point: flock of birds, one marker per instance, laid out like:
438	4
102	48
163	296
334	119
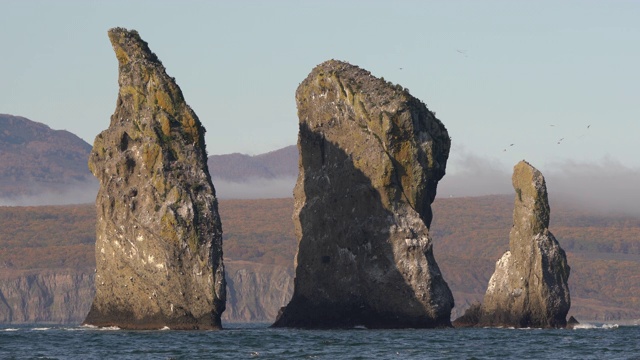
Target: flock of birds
464	53
559	140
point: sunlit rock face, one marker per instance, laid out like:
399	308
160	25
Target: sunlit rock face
371	156
529	286
158	232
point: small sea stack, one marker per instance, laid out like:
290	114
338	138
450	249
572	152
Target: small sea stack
158	232
529	286
371	156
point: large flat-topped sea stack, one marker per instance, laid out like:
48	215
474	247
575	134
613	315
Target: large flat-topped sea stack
371	156
158	232
529	286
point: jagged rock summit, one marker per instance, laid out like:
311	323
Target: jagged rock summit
158	232
371	156
529	286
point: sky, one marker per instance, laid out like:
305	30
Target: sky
554	82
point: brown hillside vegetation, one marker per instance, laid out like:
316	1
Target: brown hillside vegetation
47	237
470	234
259	231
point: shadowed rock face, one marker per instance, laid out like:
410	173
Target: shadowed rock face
529	286
158	232
371	156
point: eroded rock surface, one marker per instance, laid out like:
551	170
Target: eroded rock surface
529	286
158	232
371	156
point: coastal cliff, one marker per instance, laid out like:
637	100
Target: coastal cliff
64	296
43	245
49	296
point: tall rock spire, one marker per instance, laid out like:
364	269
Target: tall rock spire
158	232
371	156
529	287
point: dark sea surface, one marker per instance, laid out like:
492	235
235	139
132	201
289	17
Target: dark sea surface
257	341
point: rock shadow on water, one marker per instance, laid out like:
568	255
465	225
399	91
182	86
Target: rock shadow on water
346	271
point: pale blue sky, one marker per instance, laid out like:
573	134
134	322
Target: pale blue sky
495	72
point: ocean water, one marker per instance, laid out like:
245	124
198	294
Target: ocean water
257	341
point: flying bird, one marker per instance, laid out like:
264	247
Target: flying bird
463	52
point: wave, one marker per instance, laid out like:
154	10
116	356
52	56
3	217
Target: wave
595	326
109	328
41	329
103	328
165	328
10	329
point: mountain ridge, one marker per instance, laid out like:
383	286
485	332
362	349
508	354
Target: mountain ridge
37	158
44	166
239	167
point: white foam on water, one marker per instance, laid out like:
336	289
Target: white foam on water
93	327
587	326
109	328
165	328
11	329
41	329
79	328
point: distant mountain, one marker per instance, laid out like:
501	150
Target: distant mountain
36	159
236	167
270	175
42	166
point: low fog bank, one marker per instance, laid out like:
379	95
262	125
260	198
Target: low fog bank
475	176
605	186
77	193
255	188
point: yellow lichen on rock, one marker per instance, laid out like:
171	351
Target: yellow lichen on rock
364	254
165	123
164	101
156	206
